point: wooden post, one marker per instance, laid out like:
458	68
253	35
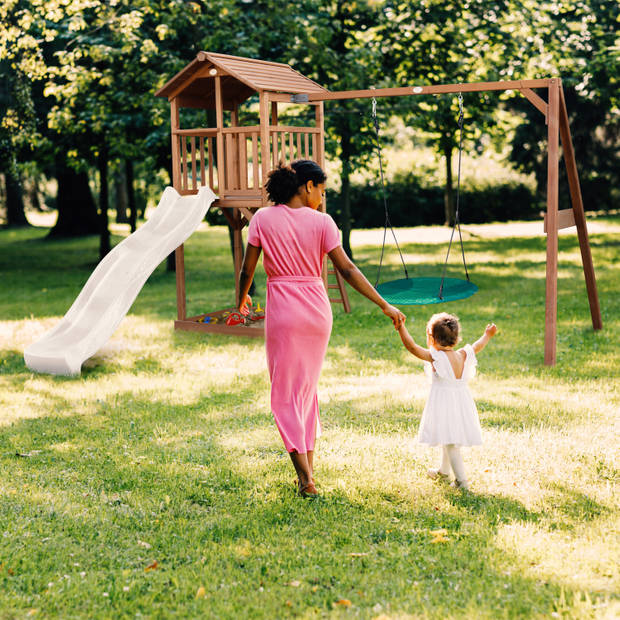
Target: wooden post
274	113
236	173
179	263
237	253
264	138
579	214
551	303
176	155
219	116
179	259
319	157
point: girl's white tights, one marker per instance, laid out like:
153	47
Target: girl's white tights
451	457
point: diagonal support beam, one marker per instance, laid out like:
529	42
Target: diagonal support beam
579	214
536	101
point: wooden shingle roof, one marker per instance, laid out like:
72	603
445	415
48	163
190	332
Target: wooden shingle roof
241	78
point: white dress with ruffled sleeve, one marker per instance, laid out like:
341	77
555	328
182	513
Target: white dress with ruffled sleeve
450	415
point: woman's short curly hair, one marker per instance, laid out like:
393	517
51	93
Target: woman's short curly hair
284	181
444	328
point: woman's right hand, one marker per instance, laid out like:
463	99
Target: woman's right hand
398	318
243	306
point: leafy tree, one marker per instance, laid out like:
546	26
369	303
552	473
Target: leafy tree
341	53
443	42
579	42
17	123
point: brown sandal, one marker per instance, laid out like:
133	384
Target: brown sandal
308	490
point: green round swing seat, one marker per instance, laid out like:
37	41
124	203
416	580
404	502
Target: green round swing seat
422	291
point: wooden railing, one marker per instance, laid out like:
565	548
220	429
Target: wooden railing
289	143
242	154
197	149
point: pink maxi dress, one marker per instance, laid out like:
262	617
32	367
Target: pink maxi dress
298	315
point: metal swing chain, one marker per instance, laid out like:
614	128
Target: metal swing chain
385	208
457	223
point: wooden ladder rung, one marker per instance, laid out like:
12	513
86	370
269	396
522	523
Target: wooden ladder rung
333	286
336	301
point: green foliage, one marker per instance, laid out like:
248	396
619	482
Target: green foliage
411	202
75	72
578	41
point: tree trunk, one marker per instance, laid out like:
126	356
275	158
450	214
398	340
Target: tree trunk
448	198
345	194
104	232
121	198
32	193
15	214
131	194
77	211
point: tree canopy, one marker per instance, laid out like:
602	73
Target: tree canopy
78	78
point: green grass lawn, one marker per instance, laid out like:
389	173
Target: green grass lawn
156	485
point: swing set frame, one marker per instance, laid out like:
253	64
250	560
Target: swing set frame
558	132
235	160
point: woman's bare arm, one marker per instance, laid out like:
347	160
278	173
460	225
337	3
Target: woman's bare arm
252	254
358	281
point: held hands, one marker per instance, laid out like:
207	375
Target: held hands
490	330
398	318
243	306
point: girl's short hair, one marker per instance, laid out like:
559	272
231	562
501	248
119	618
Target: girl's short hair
444	328
284	181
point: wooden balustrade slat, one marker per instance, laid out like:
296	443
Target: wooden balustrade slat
230	180
255	168
183	162
274	149
201	147
243	162
210	156
193	156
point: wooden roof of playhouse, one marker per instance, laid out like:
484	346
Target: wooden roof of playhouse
241	78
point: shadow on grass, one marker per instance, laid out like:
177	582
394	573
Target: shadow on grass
143	481
567	508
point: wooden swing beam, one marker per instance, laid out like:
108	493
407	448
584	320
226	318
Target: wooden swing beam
558	131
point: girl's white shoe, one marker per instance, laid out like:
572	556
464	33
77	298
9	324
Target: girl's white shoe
435	474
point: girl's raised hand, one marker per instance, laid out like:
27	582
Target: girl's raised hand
398	318
243	306
491	330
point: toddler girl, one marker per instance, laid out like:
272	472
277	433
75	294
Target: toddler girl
450	418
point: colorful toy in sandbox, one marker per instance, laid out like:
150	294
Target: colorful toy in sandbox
229	321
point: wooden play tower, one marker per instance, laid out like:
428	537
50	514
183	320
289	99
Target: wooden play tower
234	160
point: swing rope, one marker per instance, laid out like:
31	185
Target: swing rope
457	223
375	123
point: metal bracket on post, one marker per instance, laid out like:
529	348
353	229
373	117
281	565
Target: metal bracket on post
300	98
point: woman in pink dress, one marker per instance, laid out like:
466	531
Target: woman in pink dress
295	236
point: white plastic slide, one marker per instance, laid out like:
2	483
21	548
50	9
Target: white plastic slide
115	283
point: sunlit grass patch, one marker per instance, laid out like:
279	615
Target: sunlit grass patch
159	471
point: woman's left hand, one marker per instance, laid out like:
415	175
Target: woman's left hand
243	306
398	318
